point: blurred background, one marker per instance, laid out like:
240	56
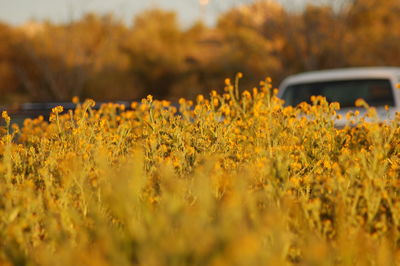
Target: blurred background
107	50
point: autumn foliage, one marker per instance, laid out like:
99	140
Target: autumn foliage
103	58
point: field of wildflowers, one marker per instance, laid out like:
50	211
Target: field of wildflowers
231	179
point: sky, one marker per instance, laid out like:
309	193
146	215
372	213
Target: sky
17	12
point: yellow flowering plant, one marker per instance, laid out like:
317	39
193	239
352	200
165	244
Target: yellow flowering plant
233	179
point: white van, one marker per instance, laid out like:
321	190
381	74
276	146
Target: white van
376	85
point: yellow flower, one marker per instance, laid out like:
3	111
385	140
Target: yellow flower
335	105
361	103
246	94
134	105
6	117
165	103
255	92
57	109
215	102
90	103
327	164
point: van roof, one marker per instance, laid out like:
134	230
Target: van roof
342	73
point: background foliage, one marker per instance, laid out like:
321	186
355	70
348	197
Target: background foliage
103	58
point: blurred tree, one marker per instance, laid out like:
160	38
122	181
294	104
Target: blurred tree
251	41
157	50
98	56
59	62
8	83
374	38
315	39
109	77
199	76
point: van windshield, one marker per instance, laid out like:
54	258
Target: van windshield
376	92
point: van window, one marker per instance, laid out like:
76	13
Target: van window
376	92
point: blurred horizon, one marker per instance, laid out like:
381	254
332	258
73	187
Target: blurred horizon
100	56
20	12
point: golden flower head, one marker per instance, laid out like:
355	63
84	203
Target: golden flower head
165	103
6	117
75	100
246	94
361	103
134	105
90	103
215	102
181	101
57	109
200	98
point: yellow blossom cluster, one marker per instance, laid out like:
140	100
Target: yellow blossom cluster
230	179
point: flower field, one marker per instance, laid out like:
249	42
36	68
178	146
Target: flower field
230	179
